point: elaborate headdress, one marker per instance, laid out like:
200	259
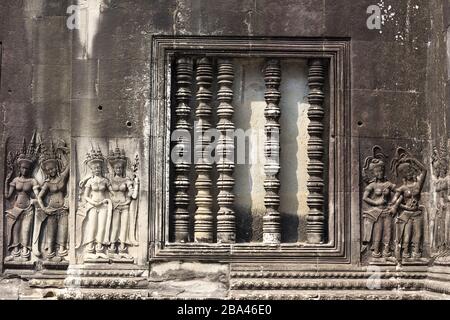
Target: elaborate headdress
402	162
94	156
117	156
52	153
28	154
48	155
377	159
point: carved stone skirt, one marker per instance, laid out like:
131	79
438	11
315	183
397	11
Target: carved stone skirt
120	224
439	229
97	224
21	221
57	228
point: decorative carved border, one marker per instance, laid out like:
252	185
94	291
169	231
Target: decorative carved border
321	284
337	52
338	295
113	294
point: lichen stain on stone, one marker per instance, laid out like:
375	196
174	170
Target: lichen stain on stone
89	23
181	15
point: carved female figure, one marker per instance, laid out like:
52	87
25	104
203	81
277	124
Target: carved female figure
410	216
377	197
52	213
21	215
124	213
97	209
441	185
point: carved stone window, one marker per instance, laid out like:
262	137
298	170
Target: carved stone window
289	204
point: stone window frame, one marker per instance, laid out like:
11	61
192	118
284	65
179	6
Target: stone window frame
337	52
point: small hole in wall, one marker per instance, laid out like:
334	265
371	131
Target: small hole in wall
360	123
100	108
129	124
49	294
9	91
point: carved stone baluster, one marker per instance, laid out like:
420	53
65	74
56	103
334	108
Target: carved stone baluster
271	220
315	221
203	224
184	73
225	216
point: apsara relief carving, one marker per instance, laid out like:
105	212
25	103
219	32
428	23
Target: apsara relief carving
38	210
392	215
108	206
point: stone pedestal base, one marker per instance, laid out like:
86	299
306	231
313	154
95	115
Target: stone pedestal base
105	281
375	282
195	280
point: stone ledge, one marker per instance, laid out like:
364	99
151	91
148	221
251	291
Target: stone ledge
196	280
337	295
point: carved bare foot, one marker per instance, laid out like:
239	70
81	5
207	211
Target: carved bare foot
112	250
62	251
10	258
25	254
376	254
124	255
90	256
123	251
51	255
90	252
15	253
391	259
62	256
54	259
100	251
101	255
386	253
90	248
22	259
